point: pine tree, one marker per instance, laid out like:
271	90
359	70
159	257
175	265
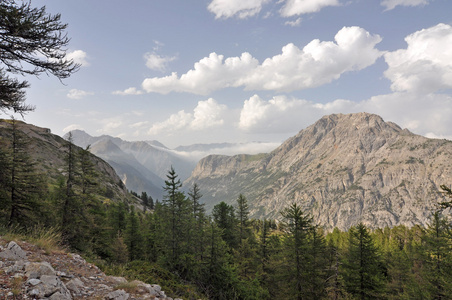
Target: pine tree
297	227
197	232
133	237
437	255
32	42
72	208
224	216
120	253
176	209
242	216
364	272
317	264
23	185
88	174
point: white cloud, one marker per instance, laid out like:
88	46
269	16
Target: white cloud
425	65
284	115
157	45
174	123
419	113
139	124
78	94
129	91
206	114
316	64
72	127
235	8
157	62
209	74
232	149
110	125
295	23
391	4
79	57
422	114
298	7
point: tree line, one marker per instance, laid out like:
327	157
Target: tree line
225	255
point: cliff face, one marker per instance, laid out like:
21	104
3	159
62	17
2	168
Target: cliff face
343	169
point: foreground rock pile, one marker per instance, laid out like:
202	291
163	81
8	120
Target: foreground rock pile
27	272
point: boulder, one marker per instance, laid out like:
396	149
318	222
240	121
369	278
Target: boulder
37	269
13	252
116	280
74	285
117	295
50	286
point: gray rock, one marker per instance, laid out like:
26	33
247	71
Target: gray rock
60	296
74	285
117	295
17	267
116	280
34	281
13	252
156	287
37	269
104	287
49	285
33	292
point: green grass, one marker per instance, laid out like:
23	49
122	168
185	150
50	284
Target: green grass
47	239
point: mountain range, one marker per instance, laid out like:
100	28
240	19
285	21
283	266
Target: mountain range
143	165
344	169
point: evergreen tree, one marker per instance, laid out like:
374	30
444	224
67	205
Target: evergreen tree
197	232
176	209
133	237
120	253
219	277
150	236
242	216
224	216
398	261
297	227
317	264
32	42
437	255
23	185
4	182
88	174
263	250
363	274
72	208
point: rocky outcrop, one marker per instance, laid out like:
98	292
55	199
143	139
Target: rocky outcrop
33	274
344	169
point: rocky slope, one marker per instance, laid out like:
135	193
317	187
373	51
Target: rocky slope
49	152
29	272
343	169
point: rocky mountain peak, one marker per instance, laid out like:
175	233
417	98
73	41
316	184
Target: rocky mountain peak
343	169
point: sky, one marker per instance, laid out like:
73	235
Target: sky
208	71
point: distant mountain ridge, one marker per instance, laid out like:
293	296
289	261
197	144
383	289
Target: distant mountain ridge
143	165
344	169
